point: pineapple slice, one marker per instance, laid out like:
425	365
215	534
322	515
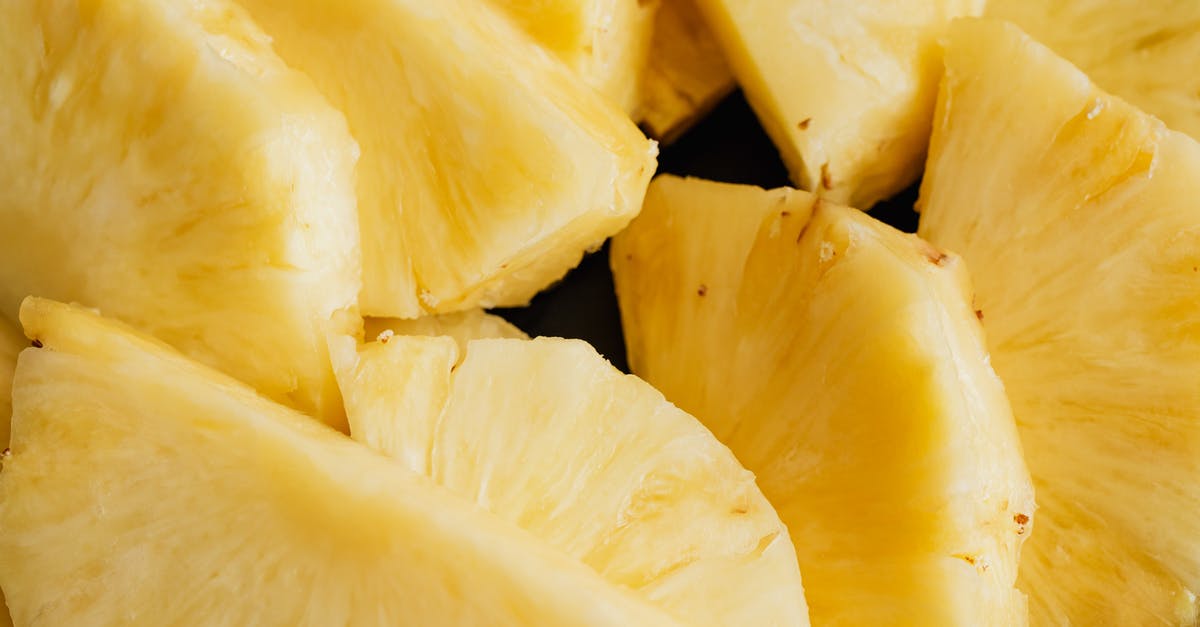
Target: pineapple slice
487	168
842	363
160	162
11	343
686	75
1078	215
548	435
463	326
845	89
1145	51
605	41
144	489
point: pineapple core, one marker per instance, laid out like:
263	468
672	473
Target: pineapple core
842	363
1079	217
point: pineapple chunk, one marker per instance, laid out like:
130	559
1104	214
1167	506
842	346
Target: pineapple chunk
845	89
487	168
548	435
463	326
606	42
1145	51
11	343
160	162
686	75
841	362
144	489
1079	218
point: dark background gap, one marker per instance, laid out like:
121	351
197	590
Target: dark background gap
729	145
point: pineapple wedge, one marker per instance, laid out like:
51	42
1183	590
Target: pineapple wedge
487	168
1079	217
841	361
548	435
11	344
462	326
686	75
161	163
144	489
606	42
1145	51
845	89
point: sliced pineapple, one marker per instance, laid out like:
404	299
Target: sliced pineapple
604	41
1145	51
161	163
686	75
548	435
463	326
487	168
1078	215
11	343
144	489
845	89
842	363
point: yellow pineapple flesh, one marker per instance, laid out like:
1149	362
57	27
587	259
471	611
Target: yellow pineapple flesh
686	74
11	344
487	168
845	89
145	489
842	363
548	435
462	326
605	41
1078	216
1144	51
162	164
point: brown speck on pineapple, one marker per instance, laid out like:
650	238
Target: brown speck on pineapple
826	177
803	125
970	559
386	335
702	290
1022	521
5	454
740	509
36	343
979	314
785	214
628	256
935	256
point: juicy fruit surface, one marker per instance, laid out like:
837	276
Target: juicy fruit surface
548	435
160	163
482	180
605	41
844	89
686	74
840	361
11	344
462	326
1077	214
144	489
1144	51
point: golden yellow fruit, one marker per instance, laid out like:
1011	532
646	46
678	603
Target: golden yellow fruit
842	363
11	344
487	168
1078	215
161	163
548	435
686	74
145	489
845	89
1144	51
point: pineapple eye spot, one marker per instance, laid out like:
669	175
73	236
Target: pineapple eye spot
36	343
702	290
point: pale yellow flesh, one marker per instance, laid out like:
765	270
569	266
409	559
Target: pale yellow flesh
162	164
144	489
605	41
463	326
548	435
845	89
842	363
487	168
1078	216
1144	51
686	74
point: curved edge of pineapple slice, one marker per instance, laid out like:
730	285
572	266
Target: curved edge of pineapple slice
143	488
12	342
547	434
831	353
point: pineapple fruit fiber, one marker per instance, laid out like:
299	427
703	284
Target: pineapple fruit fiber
841	361
1078	215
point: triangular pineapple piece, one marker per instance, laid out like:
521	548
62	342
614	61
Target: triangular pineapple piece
463	326
605	41
1145	51
487	168
1079	217
845	89
11	344
547	434
161	163
144	489
686	75
841	361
